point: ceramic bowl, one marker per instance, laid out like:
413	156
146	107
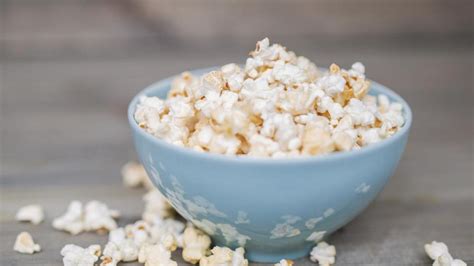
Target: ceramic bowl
275	208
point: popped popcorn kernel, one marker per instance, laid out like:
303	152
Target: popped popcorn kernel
324	254
153	255
72	220
24	244
31	213
195	244
94	216
77	256
266	108
97	217
439	252
156	206
134	175
225	256
317	140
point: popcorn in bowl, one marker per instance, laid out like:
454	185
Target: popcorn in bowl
277	105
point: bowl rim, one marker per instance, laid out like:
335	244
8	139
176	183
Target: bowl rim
164	83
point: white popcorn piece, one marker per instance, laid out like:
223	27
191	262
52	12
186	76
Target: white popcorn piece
359	68
134	175
30	213
168	232
125	244
439	252
24	244
156	206
369	136
265	108
72	220
111	255
324	254
195	244
332	84
436	249
95	216
317	140
155	255
359	113
285	262
122	245
225	256
77	256
446	259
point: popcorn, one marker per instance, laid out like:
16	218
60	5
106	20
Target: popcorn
156	206
121	247
278	105
438	251
127	243
111	255
285	262
154	255
72	220
161	230
324	254
30	213
317	140
24	244
77	256
195	244
445	259
225	256
95	216
134	175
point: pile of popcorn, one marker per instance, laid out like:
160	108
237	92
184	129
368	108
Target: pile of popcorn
152	239
278	105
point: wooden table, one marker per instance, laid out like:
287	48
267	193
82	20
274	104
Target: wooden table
68	71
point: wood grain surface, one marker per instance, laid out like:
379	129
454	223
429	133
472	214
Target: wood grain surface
69	68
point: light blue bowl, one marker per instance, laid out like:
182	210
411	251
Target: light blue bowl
275	208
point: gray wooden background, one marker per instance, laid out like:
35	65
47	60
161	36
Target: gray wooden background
68	69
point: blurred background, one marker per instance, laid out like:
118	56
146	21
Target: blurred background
69	68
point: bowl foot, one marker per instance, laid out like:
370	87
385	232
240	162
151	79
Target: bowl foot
270	256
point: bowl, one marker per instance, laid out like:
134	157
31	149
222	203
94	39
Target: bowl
274	208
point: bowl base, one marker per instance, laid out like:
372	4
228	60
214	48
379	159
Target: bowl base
274	257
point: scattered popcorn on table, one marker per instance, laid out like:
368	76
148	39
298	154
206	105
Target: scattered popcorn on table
446	260
439	252
72	220
95	216
134	175
285	262
435	249
126	242
224	256
77	256
30	213
24	244
324	254
167	231
155	255
195	244
277	105
156	206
